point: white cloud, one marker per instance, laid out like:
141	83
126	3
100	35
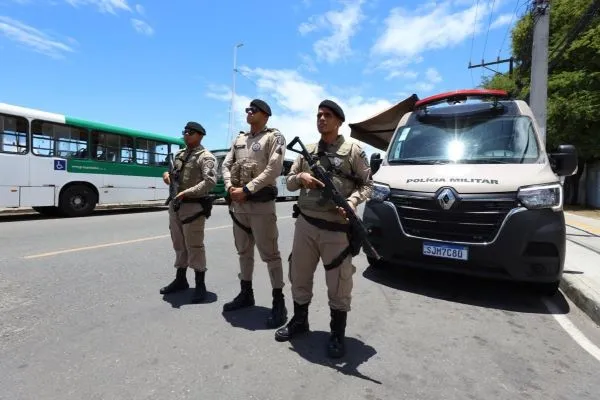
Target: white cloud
140	9
502	20
294	100
433	75
343	25
407	34
110	6
142	27
33	38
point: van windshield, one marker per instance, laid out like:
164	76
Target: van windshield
465	139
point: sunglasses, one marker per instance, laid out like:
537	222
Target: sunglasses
188	132
253	110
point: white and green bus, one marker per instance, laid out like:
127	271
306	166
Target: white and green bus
66	166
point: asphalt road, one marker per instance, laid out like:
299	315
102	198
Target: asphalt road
81	318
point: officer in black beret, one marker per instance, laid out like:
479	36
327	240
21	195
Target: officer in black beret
195	169
322	232
250	172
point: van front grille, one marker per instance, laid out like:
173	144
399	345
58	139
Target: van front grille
471	219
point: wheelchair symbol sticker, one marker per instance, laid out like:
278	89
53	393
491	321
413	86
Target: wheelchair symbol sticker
60	165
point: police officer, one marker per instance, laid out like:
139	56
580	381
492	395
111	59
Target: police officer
322	229
250	170
196	172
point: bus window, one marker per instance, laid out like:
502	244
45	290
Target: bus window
13	134
150	152
58	140
112	147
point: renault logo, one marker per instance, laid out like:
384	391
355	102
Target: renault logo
446	199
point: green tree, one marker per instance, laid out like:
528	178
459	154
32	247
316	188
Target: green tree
573	77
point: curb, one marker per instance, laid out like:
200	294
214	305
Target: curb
582	295
20	211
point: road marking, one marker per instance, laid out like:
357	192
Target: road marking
572	330
99	246
582	226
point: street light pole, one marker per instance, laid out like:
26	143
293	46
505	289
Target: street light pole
231	106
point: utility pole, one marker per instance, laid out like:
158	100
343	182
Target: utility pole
231	106
539	63
498	61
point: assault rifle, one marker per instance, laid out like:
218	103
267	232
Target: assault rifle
331	192
173	185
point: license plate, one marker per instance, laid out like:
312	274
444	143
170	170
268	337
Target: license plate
442	250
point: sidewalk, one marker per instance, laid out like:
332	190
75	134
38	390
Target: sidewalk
581	281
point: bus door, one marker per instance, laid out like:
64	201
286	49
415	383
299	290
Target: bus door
14	160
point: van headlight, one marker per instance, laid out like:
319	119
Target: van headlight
381	191
543	196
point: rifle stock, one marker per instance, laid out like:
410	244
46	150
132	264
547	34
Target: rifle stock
173	185
330	191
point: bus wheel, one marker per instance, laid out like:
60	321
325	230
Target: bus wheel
77	201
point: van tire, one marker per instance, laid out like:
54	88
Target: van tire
546	288
77	201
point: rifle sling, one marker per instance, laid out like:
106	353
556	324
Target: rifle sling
239	224
329	226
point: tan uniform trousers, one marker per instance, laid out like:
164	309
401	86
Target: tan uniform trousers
188	239
310	245
265	236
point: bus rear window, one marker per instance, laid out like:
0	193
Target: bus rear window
13	134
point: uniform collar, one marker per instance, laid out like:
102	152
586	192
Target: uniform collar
266	128
338	142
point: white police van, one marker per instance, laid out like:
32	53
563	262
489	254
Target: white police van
468	187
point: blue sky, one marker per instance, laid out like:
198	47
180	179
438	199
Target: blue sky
156	64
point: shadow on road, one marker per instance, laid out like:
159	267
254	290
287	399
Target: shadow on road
481	292
251	318
98	213
312	347
184	298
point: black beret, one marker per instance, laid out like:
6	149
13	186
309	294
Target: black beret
262	106
337	110
196	127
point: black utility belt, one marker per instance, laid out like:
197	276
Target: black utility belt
321	223
268	193
197	200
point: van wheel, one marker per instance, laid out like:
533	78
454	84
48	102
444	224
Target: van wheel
546	288
77	201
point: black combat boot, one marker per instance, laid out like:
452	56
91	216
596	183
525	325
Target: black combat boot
278	314
180	283
336	347
298	324
200	290
244	299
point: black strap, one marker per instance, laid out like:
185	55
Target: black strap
321	223
193	217
238	223
338	260
330	226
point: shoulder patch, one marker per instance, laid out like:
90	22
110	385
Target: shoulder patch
209	163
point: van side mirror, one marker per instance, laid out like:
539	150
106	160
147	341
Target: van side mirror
375	162
564	160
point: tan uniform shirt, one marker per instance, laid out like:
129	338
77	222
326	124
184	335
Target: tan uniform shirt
353	180
199	175
255	161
